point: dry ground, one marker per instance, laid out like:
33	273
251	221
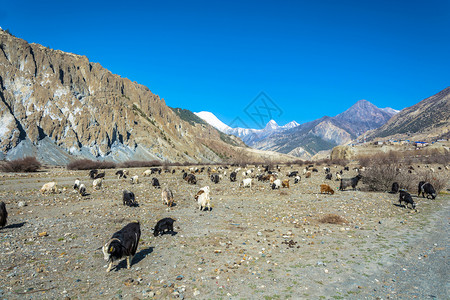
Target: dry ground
253	244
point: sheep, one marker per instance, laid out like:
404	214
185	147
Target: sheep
425	188
99	175
346	182
190	178
406	197
155	183
276	184
308	174
215	178
134	179
129	199
247	182
76	185
3	214
121	174
338	176
122	243
272	178
97	183
325	188
49	187
92	173
203	198
147	173
305	170
285	183
233	176
163	225
292	174
82	190
297	179
328	176
167	197
395	188
326	169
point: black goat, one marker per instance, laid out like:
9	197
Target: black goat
328	176
99	175
92	173
346	182
215	178
129	199
395	188
121	174
163	225
406	197
425	188
293	174
190	178
122	243
3	214
155	183
233	176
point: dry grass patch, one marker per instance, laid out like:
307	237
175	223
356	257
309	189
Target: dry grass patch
332	219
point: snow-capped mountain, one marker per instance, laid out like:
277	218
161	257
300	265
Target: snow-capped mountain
248	135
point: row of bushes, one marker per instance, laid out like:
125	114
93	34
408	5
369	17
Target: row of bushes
26	164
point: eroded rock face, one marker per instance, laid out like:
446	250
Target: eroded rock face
88	111
342	152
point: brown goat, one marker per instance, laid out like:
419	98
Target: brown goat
285	183
325	188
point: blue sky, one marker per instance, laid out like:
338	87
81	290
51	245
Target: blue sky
312	58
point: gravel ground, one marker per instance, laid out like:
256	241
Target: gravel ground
253	244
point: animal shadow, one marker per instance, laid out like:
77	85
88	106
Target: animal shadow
136	259
16	225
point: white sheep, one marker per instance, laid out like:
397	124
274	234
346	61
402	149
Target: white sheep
49	187
147	173
203	198
247	182
276	184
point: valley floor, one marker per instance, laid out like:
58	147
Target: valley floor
255	243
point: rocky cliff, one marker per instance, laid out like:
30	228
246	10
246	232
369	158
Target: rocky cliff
57	106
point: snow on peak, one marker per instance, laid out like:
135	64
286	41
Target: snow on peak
212	120
390	111
271	125
290	125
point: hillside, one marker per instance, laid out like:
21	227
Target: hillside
428	120
58	106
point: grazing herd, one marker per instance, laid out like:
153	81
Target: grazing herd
124	242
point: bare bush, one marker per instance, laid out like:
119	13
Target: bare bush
141	164
332	219
26	164
87	164
438	180
380	177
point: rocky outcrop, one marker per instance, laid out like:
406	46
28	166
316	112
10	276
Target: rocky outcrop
58	105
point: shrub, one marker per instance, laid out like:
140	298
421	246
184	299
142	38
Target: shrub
87	164
26	164
141	164
332	219
380	177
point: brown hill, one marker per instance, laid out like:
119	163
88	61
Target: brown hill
57	105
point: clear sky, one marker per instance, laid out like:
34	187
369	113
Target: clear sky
312	58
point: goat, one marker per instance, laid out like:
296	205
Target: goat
163	225
276	184
425	188
121	174
76	185
203	198
325	188
338	176
49	187
406	197
167	197
99	175
292	174
297	179
328	176
134	179
82	190
92	173
147	173
326	169
97	183
247	182
308	174
190	178
233	176
215	178
122	243
285	183
395	188
155	183
3	214
129	199
346	182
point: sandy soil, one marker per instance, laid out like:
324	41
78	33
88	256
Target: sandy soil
253	244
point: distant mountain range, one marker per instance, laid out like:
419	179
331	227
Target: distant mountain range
307	139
